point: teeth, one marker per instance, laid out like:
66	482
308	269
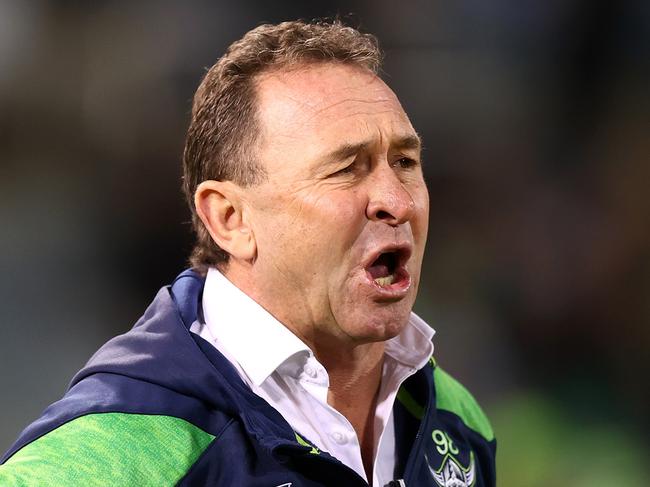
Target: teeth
385	281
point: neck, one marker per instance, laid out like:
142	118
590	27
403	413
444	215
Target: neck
354	369
355	378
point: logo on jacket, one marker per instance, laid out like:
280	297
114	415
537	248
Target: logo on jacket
451	472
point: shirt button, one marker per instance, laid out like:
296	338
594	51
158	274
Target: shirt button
311	371
339	437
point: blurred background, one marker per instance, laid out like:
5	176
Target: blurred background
535	118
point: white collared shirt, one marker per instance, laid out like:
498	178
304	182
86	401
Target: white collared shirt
281	369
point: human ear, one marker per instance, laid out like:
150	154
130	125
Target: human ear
221	209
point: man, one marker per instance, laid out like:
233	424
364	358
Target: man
289	354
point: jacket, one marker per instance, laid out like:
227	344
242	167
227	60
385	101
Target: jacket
160	406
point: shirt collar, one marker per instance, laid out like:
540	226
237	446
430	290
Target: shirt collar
413	347
246	330
250	334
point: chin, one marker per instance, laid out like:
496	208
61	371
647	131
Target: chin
378	325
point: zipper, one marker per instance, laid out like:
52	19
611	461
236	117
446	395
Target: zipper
417	444
293	449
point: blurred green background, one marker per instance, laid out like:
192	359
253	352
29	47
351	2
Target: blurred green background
534	117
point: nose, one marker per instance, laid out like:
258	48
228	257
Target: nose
388	200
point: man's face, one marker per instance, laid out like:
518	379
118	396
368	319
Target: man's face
341	221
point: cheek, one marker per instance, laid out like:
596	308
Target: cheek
421	201
336	215
316	228
347	219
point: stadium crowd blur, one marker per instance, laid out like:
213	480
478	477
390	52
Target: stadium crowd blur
535	119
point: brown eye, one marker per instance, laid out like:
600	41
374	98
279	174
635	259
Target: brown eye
406	162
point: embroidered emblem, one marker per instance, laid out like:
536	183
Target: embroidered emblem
452	474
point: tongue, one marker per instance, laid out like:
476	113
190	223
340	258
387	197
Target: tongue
378	270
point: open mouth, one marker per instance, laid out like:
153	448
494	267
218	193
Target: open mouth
387	270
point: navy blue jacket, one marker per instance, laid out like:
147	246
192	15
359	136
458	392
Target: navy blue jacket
159	405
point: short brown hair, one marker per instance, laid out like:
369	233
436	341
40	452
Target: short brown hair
224	127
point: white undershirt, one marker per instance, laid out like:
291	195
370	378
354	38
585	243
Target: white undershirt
281	369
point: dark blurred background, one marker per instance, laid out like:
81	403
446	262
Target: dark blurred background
535	117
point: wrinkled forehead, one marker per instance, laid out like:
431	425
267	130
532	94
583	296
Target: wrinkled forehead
307	101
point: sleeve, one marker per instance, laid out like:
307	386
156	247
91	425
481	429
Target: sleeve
109	449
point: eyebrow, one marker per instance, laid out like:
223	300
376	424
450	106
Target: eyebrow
409	142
